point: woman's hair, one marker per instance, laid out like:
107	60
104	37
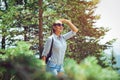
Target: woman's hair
52	30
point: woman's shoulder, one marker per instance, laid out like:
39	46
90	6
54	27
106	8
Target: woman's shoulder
50	38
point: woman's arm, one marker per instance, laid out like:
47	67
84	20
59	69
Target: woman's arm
71	25
46	48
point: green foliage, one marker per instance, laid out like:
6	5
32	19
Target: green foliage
19	20
88	69
86	42
19	63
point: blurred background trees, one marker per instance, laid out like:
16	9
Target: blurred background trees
31	21
18	22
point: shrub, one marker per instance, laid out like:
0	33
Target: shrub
20	63
89	70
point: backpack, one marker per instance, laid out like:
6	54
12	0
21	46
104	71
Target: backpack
50	51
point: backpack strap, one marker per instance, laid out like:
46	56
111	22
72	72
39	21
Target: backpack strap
50	51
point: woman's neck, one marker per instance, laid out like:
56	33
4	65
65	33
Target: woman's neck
57	33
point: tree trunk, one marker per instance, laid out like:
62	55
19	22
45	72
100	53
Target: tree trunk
40	27
25	33
3	39
3	42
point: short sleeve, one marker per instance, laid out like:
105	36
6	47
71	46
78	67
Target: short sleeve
69	35
47	47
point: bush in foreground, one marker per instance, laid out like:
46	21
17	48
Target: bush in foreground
20	63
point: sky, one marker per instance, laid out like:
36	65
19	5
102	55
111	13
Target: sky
110	15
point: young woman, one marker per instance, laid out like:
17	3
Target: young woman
55	63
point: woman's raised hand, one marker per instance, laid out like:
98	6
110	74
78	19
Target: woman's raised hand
64	20
71	25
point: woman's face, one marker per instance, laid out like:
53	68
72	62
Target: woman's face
58	26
